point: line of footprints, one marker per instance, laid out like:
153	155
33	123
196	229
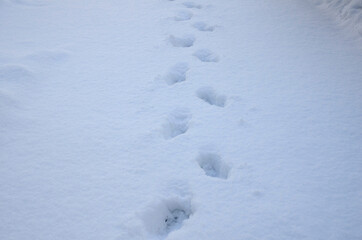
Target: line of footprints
169	214
177	122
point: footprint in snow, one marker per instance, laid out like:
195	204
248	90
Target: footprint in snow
161	218
185	41
208	95
183	15
17	79
15	73
206	55
213	165
202	26
176	74
192	5
177	123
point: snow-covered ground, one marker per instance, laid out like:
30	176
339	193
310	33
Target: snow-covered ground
157	119
348	13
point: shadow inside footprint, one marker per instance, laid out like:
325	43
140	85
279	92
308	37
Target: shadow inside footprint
185	41
183	15
201	26
209	95
175	218
176	74
166	216
213	165
206	55
15	73
177	123
192	5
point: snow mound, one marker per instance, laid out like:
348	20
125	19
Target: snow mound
347	12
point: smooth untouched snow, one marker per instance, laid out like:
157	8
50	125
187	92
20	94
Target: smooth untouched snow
158	119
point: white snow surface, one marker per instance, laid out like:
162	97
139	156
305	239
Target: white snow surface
157	119
348	13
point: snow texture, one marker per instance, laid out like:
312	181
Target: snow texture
177	73
177	123
206	55
348	13
213	165
183	15
180	120
202	26
192	5
163	217
185	41
211	97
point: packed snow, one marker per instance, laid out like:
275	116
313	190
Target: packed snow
160	119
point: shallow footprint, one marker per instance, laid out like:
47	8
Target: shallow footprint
14	73
211	97
202	26
183	15
176	124
192	5
185	41
213	165
177	73
206	55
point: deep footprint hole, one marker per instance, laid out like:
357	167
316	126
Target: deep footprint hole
175	218
177	123
213	165
208	95
176	74
167	215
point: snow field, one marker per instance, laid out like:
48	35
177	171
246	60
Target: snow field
163	119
